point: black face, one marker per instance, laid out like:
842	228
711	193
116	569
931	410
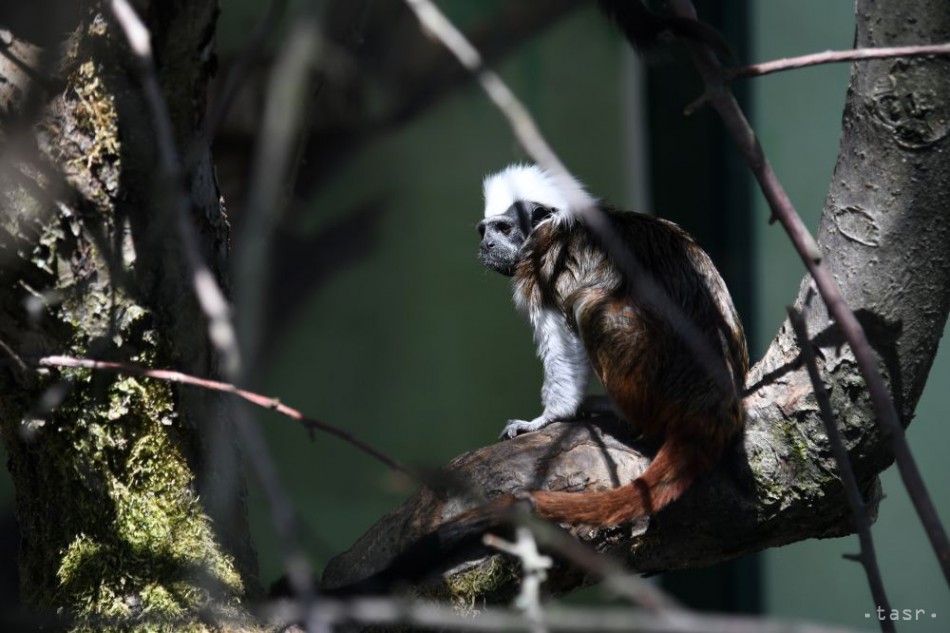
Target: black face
503	235
502	238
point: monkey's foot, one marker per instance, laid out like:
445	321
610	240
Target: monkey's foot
514	427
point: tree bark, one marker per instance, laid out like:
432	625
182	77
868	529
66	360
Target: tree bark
884	232
129	493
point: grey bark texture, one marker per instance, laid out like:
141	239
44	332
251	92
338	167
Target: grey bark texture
129	493
884	232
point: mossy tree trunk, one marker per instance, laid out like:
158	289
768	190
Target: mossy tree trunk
129	496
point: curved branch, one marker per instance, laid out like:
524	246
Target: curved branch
837	304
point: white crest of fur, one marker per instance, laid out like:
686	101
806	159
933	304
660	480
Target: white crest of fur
530	183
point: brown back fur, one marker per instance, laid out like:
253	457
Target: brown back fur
667	344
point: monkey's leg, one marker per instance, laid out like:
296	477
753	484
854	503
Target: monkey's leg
566	373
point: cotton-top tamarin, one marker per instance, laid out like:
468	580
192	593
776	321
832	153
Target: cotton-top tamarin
661	333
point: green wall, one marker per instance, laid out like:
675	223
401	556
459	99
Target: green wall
798	116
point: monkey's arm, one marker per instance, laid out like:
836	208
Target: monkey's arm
566	373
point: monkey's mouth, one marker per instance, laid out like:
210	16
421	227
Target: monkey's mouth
498	264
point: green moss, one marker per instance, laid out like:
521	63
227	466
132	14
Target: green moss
770	488
117	531
798	456
150	548
96	116
481	582
105	489
788	434
796	444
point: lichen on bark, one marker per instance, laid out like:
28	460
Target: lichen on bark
115	521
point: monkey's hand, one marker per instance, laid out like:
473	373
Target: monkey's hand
514	427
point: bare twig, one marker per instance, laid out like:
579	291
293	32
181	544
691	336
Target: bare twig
816	59
210	297
535	566
427	615
430	615
783	210
523	125
512	24
240	69
278	143
283	514
614	578
862	523
265	402
835	57
9	351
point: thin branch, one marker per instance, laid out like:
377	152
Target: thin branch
428	615
9	351
210	297
289	94
783	210
535	566
602	568
239	71
817	59
283	514
523	125
431	615
265	402
834	57
862	523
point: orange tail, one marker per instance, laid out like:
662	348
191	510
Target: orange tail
666	478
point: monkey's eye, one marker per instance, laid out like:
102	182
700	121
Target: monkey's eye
481	230
504	228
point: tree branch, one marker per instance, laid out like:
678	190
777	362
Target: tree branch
279	143
728	108
817	59
862	521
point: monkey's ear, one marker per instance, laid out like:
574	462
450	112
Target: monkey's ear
539	213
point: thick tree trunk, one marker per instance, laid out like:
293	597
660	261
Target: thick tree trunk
129	495
884	232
